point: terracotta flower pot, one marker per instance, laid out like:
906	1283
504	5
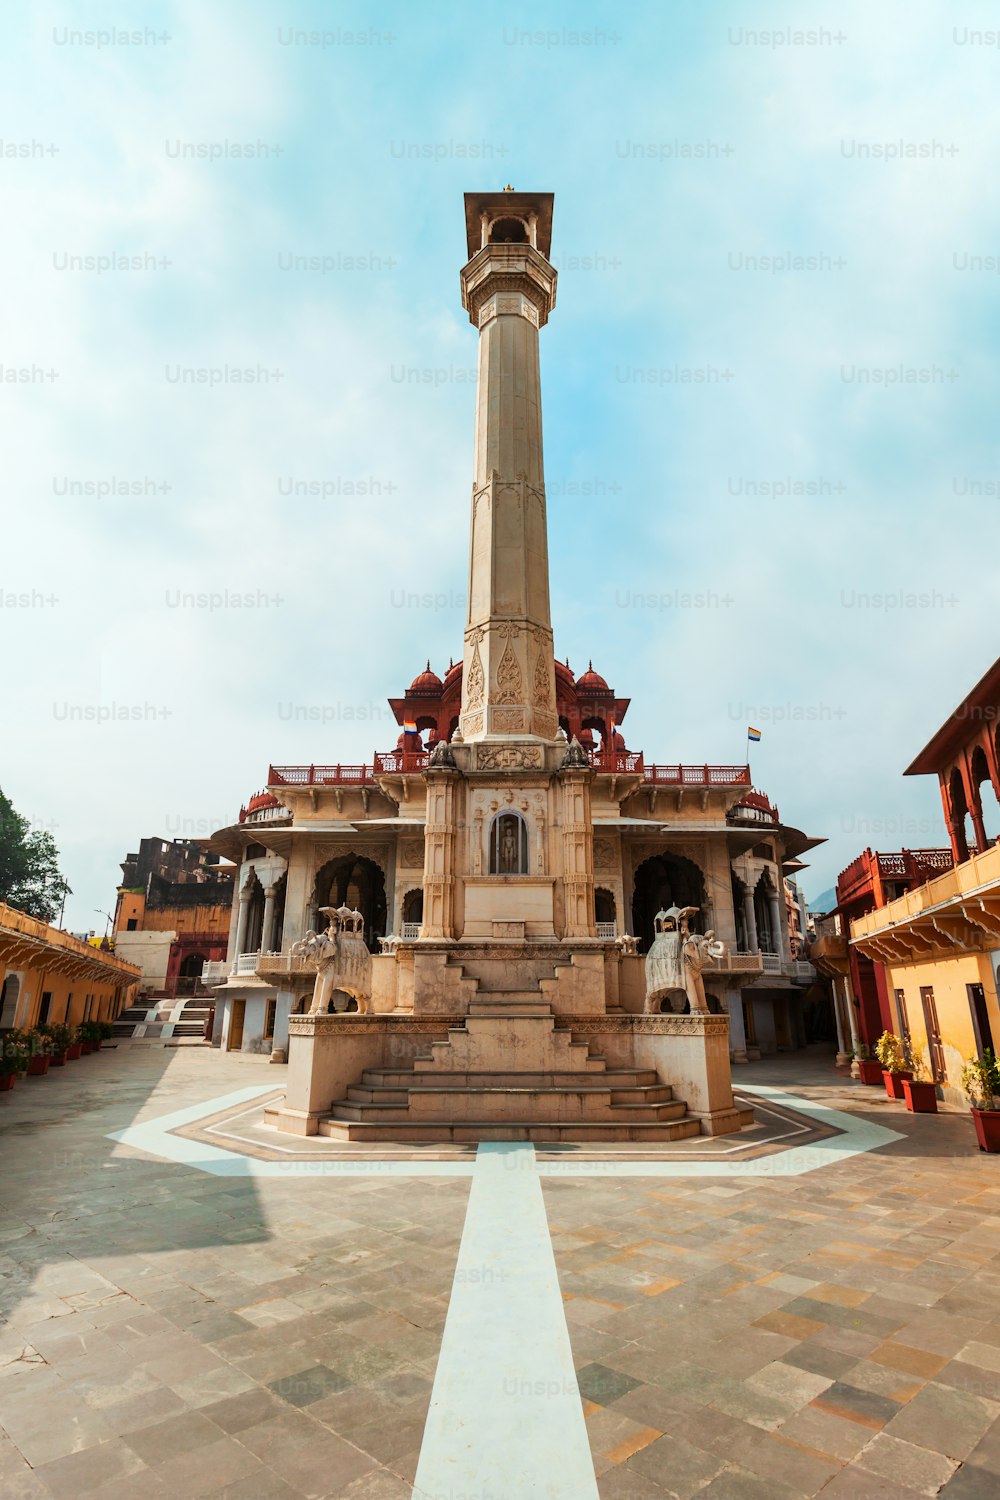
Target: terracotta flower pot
987	1123
6	1082
57	1059
869	1071
38	1066
920	1097
86	1048
74	1051
894	1083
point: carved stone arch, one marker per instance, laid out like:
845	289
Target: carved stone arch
355	880
664	879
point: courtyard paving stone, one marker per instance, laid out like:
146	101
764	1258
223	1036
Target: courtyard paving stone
175	1334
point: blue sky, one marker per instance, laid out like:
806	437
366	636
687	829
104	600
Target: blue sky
687	150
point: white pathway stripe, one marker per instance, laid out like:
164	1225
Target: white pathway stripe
505	1420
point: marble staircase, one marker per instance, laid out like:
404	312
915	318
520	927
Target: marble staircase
509	1073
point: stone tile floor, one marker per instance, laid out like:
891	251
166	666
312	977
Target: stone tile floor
172	1334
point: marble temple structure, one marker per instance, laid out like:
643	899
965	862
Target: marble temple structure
508	858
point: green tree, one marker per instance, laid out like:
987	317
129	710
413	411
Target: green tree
30	878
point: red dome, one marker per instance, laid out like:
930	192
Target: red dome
618	741
453	673
591	681
426	682
563	671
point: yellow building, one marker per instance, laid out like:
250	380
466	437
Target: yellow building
46	975
940	943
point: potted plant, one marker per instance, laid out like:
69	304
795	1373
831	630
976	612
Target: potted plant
107	1030
13	1059
920	1091
892	1053
90	1033
59	1038
75	1048
39	1054
981	1082
869	1068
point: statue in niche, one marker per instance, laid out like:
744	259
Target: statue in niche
343	962
675	962
508	847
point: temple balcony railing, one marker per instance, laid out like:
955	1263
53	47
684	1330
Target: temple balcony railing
410	931
772	963
245	963
696	775
391	762
277	966
608	931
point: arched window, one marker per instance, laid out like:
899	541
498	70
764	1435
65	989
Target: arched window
509	845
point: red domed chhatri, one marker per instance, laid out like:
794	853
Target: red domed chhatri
426	682
591	681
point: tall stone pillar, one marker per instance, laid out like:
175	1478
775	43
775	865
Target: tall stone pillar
439	852
508	289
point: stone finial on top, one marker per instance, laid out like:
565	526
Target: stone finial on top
441	755
575	758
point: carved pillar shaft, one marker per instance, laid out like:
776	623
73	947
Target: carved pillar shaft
439	855
750	922
267	929
241	928
578	854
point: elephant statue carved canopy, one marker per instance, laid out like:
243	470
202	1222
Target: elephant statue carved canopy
343	962
676	959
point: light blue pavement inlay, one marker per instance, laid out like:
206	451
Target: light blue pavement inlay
505	1418
857	1136
157	1137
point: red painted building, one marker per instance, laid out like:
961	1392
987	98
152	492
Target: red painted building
870	882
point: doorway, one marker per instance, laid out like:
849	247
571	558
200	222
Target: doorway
980	1019
236	1026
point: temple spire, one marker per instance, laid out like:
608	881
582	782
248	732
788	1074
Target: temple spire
508	289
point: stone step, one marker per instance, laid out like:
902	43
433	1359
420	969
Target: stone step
522	1105
621	1091
497	1010
468	1132
481	1078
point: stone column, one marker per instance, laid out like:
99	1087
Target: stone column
578	853
439	853
508	682
750	921
852	1022
779	935
737	1030
267	928
241	926
838	1017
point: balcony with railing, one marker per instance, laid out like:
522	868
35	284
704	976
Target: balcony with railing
696	775
410	932
391	762
410	762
